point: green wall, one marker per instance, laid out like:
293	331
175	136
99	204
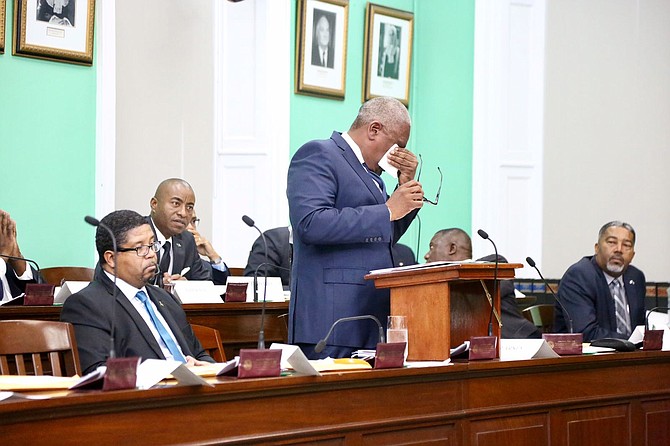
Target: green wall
47	154
440	105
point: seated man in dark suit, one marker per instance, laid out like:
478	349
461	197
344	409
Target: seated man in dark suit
171	211
454	244
604	293
14	274
214	262
143	320
279	255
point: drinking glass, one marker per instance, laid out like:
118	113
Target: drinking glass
396	330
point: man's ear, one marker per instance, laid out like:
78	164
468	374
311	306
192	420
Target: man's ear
595	248
109	257
453	248
153	203
374	129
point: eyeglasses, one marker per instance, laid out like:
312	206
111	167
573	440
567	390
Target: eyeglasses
439	188
195	222
143	250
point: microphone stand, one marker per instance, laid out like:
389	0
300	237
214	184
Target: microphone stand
261	332
38	279
249	222
485	236
322	343
95	222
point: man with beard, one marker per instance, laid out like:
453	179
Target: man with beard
604	293
142	320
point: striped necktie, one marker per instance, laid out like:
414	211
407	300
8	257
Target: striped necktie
622	317
377	179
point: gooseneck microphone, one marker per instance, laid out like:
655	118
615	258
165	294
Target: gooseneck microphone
568	318
322	343
95	222
38	279
646	318
261	332
485	236
249	222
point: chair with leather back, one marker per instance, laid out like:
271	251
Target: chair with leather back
59	274
29	347
210	339
542	316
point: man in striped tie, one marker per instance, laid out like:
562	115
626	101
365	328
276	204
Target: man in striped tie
137	318
604	293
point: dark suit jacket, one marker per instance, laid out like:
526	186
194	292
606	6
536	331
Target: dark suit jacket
402	255
94	310
341	231
584	292
279	253
316	57
17	286
515	326
185	253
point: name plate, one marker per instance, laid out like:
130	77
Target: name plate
390	355
483	347
259	363
565	343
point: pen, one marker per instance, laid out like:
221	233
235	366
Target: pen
185	270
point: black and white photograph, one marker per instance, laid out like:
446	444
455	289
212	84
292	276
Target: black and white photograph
59	30
3	13
321	48
388	53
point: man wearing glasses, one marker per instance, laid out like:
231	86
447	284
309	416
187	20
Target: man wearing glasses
146	320
344	224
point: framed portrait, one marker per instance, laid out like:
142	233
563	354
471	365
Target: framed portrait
388	53
321	47
3	9
60	30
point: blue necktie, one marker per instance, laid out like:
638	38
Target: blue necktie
377	180
162	331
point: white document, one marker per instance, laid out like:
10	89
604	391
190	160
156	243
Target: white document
197	292
153	371
293	357
275	291
69	288
520	349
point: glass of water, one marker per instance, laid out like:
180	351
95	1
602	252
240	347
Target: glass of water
396	330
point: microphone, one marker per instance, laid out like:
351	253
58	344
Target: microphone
485	236
38	279
261	332
532	264
95	222
249	222
322	343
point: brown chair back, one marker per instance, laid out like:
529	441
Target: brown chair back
58	274
237	272
210	339
31	342
542	316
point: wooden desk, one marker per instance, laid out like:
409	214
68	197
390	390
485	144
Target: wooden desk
617	399
238	323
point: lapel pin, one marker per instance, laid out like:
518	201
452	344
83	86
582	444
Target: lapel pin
160	302
632	282
178	244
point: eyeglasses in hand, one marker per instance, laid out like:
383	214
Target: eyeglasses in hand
439	188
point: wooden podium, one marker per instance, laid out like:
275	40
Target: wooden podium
445	304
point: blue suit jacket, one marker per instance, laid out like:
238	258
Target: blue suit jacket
586	296
341	232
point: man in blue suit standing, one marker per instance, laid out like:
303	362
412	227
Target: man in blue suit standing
604	293
344	225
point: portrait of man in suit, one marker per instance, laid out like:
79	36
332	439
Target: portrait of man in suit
58	12
388	64
323	48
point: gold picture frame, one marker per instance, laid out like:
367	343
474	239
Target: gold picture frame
3	16
388	53
321	48
63	33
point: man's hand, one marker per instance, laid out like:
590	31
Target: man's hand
405	199
8	243
406	163
205	248
191	361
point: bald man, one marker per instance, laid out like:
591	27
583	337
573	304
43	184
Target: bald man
454	244
172	208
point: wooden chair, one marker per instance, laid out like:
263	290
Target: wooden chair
542	316
237	272
58	274
210	339
29	341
